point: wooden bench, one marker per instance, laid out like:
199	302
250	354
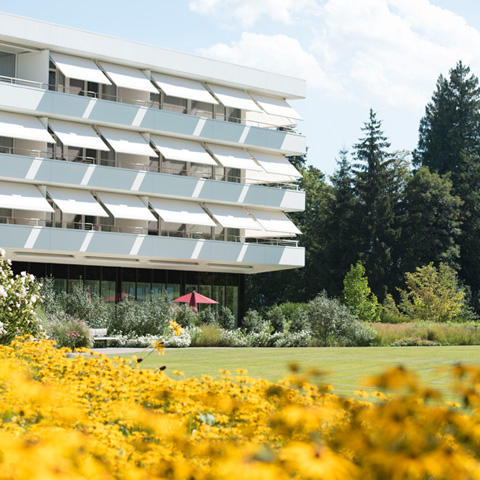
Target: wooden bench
100	335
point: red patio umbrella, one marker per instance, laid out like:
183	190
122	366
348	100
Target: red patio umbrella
193	299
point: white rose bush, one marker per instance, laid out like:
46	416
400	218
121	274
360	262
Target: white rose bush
19	296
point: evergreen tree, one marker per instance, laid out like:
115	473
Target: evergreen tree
378	183
341	235
451	124
468	188
431	221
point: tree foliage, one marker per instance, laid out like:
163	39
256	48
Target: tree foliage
432	294
358	296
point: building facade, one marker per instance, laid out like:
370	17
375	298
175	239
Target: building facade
138	171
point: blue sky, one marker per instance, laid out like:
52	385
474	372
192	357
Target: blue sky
384	54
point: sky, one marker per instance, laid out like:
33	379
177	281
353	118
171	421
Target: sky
354	55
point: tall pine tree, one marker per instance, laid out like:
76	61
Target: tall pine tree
377	185
451	124
342	237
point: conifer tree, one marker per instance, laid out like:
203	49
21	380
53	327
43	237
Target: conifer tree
451	124
377	186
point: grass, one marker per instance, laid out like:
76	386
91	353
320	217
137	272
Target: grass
345	367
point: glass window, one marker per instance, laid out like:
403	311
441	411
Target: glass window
107	158
218	294
234	115
159	290
92	89
154	165
6	144
77	87
90	155
60	284
109	92
173	167
155	99
233	175
128	290
92	286
143	290
190	288
7	64
219	112
202	109
173	291
74	283
108	290
231	299
74	154
175	104
205	290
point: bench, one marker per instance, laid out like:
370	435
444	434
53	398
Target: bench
100	335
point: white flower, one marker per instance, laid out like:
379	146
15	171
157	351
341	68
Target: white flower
2	252
3	292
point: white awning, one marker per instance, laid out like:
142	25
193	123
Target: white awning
252	176
178	211
77	135
124	141
262	119
275	222
277	106
25	127
127	77
182	150
234	98
75	201
275	163
183	88
231	157
126	206
79	68
23	196
229	216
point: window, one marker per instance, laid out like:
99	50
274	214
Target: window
174	104
6	145
7	65
92	286
143	290
231	299
108	290
191	288
234	115
159	290
173	291
107	158
128	290
202	109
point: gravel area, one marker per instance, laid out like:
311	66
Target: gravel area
116	351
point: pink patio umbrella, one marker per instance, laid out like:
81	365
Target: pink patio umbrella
193	299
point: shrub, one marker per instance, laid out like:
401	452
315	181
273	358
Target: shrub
208	316
390	311
178	341
150	317
208	336
358	296
296	316
414	342
253	321
69	332
275	317
19	297
185	316
432	294
226	319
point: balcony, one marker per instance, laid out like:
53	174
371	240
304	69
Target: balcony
14	167
64	245
34	98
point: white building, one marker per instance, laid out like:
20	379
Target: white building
136	169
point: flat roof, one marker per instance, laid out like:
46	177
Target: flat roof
44	35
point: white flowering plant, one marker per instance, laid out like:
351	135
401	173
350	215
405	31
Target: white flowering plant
19	296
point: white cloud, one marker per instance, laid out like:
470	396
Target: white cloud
276	53
248	12
385	51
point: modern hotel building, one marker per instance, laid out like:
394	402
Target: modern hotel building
137	170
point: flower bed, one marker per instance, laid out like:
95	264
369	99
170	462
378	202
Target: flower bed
88	416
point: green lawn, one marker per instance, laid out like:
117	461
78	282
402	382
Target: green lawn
345	366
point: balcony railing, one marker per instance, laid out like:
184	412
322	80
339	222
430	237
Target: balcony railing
138	230
137	102
184	172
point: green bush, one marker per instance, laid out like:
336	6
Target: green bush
390	312
332	323
296	316
208	316
185	316
275	317
226	319
69	332
253	321
150	317
414	342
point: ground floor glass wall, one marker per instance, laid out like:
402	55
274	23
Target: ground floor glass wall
116	283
